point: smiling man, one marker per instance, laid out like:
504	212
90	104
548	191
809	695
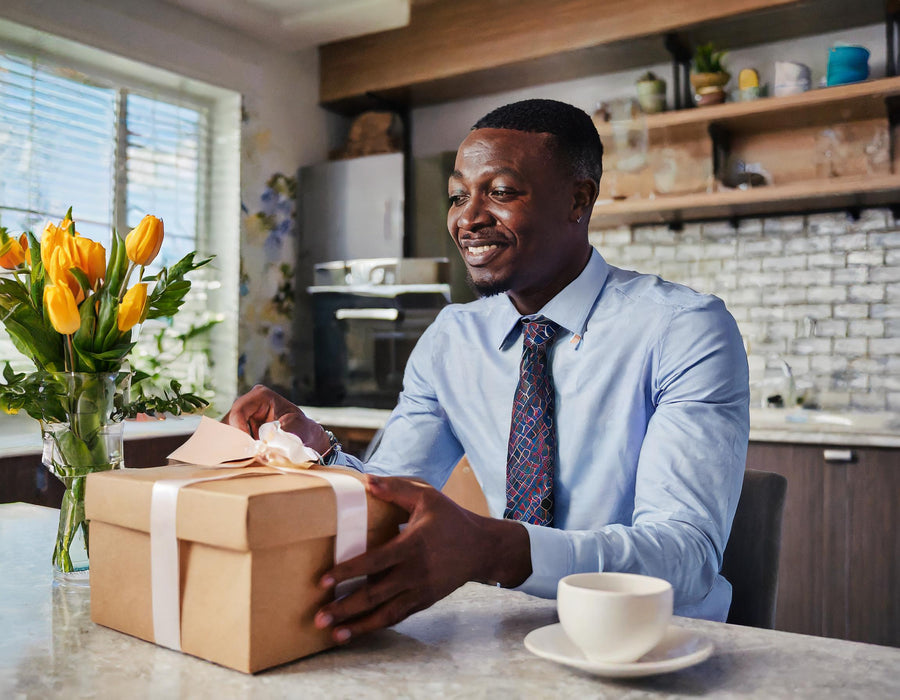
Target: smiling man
605	413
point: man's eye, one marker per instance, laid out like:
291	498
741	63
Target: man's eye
502	193
457	199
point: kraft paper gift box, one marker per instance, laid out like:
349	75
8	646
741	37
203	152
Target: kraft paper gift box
251	552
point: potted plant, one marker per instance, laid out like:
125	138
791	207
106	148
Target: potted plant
651	93
708	74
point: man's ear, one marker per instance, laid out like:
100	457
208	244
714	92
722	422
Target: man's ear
584	195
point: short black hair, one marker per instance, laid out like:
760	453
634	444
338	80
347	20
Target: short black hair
574	133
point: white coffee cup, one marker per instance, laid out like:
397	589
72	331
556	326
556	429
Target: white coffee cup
613	617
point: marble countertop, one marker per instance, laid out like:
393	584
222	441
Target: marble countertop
467	646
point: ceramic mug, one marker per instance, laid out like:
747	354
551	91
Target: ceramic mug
613	617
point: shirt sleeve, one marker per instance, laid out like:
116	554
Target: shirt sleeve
417	440
689	472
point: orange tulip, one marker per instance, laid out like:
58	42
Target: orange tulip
91	258
143	242
52	238
12	252
61	309
133	307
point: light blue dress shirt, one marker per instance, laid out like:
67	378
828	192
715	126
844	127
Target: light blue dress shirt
652	417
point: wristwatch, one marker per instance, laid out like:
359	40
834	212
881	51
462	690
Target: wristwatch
334	446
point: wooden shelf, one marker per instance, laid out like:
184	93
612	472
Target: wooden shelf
834	193
780	133
460	49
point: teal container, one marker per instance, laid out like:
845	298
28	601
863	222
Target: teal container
847	64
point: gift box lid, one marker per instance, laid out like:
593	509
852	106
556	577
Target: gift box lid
264	508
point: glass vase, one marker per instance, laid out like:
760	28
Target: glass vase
82	433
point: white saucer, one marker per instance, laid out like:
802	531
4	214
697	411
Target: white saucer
678	649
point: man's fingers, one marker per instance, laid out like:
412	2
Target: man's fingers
364	600
398	490
372	562
389	613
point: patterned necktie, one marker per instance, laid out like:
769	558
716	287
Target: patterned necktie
532	435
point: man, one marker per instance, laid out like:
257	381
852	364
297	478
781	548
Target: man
604	412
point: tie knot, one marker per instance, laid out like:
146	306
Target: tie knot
539	331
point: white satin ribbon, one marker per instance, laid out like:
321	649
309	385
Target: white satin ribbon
277	449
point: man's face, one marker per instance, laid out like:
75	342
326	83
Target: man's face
512	215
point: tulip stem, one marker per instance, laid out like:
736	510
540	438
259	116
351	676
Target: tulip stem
70	355
121	290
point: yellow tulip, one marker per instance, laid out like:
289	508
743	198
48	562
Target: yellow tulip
143	242
91	258
61	308
133	307
12	252
53	237
59	269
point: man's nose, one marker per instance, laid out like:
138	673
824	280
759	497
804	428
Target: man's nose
473	213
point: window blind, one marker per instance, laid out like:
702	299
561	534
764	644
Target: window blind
115	154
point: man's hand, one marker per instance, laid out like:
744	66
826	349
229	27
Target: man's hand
262	405
442	547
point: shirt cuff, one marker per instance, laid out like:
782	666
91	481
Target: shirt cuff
550	560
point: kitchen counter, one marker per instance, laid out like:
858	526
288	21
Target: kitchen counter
468	645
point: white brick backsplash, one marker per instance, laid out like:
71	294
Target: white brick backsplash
784	224
811	244
851	310
893	292
867	401
830	328
748	264
849	241
664	252
869	329
784	295
760	279
866	292
776	273
798	312
850	275
884	239
818	224
654	234
785	262
851	346
782	329
884	274
761	248
870	219
865	257
826	260
869	365
893	401
615	236
820	295
826	364
811	346
884	346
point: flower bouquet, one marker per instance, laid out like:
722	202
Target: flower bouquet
68	307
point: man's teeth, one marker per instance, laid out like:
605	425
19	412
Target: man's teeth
480	249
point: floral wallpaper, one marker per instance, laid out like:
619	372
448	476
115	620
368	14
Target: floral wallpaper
268	257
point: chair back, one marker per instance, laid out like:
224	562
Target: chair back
750	562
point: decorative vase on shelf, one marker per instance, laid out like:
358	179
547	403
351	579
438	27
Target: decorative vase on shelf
82	433
708	75
651	93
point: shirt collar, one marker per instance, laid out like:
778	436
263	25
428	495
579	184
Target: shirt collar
570	308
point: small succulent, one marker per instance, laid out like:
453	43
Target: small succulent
648	77
708	60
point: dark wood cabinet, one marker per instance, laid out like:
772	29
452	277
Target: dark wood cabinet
840	556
